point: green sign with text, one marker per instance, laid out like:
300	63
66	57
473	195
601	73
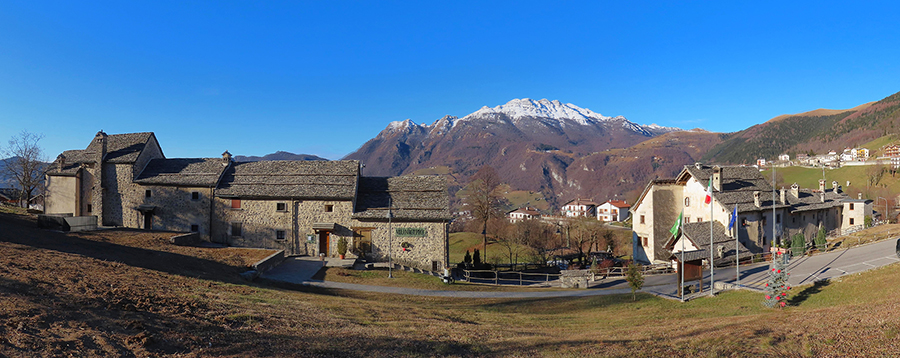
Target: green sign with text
410	232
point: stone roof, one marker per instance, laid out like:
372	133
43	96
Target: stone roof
324	180
739	183
73	161
120	148
698	233
203	172
411	198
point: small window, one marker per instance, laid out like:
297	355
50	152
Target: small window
147	194
280	207
90	208
645	241
687	219
329	208
851	207
642	219
195	228
235	203
195	195
778	218
687	201
279	234
699	220
236	229
743	221
851	221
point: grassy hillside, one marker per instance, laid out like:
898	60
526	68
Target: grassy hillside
816	131
856	175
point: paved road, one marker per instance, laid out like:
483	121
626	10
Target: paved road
804	270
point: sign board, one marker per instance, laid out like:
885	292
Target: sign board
410	232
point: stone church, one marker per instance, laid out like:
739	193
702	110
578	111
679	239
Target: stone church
302	207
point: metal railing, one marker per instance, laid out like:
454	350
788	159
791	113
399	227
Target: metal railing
507	277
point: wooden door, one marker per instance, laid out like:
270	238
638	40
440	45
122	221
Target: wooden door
323	242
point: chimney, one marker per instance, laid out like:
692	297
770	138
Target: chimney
859	196
822	185
717	178
795	190
834	186
783	198
756	199
61	161
822	196
226	158
100	139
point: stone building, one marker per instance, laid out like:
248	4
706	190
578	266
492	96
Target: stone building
99	180
302	207
763	220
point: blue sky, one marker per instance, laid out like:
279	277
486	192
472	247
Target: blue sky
323	77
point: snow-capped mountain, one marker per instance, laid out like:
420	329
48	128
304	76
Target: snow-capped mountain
521	111
530	142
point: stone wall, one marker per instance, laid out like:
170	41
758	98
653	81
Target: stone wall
428	252
260	219
176	210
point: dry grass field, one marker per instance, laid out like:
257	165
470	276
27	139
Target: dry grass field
128	293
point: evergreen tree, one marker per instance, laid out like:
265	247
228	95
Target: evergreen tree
821	242
476	259
468	258
777	286
635	278
798	244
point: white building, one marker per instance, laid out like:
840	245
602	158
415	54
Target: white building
613	210
579	207
520	214
784	157
758	228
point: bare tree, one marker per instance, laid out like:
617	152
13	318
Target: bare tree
539	237
25	163
484	199
585	233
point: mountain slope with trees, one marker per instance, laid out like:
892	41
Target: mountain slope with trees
817	132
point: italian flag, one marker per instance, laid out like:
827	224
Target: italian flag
708	193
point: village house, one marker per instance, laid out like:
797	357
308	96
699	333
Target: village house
525	213
784	157
302	207
613	210
579	207
892	151
795	210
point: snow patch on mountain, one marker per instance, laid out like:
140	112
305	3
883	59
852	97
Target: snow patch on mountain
526	107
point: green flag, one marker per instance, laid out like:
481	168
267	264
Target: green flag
677	225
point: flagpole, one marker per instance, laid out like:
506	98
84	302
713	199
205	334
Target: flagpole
737	248
681	288
712	266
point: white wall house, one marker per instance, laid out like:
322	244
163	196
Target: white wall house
579	207
525	213
613	210
762	222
